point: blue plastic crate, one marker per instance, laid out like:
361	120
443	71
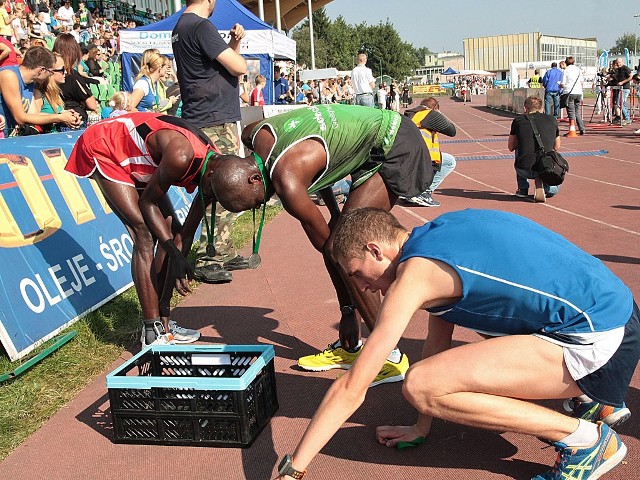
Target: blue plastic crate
208	395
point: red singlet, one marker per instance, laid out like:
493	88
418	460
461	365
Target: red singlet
118	149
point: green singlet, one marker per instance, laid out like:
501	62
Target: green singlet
347	132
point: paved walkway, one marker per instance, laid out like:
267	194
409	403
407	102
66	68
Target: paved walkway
289	302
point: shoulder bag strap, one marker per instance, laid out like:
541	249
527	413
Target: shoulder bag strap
536	134
574	83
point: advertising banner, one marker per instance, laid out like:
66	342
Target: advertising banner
428	89
63	252
137	41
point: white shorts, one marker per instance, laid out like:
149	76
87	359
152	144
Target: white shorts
589	352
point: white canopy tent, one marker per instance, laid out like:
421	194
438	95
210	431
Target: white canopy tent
476	72
514	67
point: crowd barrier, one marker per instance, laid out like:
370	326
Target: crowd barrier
511	100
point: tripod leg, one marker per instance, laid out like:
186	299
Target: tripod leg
599	98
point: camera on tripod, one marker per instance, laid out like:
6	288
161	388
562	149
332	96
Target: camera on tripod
606	77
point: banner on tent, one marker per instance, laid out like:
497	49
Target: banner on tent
63	252
137	41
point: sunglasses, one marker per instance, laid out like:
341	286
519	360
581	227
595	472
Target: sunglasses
57	70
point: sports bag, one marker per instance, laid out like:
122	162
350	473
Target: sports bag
551	166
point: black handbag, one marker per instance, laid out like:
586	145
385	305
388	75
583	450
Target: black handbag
550	166
22	130
563	100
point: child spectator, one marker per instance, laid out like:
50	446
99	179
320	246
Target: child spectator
257	98
118	105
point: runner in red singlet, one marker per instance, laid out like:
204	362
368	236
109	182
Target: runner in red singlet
135	159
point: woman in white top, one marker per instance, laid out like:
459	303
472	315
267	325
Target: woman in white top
572	85
144	96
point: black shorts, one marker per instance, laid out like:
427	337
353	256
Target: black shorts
406	169
609	384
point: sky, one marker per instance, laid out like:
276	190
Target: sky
441	26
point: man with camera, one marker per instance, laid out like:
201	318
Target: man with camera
621	78
522	141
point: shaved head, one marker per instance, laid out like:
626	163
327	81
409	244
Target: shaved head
237	183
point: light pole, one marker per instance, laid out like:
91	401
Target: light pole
635	48
313	51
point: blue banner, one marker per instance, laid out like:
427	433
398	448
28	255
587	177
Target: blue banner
447	85
603	60
501	82
63	252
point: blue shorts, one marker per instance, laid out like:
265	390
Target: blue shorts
609	384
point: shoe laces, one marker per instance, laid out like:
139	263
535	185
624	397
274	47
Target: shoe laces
177	328
561	460
160	333
328	351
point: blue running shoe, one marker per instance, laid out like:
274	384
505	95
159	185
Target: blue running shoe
597	412
587	463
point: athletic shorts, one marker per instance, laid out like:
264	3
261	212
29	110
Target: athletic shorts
406	169
609	383
603	370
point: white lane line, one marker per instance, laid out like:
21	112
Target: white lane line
458	127
606	183
600	222
413	214
619	159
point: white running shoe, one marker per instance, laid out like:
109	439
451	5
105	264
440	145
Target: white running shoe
181	334
161	337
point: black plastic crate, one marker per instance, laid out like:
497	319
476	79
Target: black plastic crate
208	395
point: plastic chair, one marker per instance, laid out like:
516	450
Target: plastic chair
111	90
95	91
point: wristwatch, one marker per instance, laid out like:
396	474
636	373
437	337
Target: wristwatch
286	468
348	309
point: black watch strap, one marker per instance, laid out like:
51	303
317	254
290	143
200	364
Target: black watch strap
348	310
286	468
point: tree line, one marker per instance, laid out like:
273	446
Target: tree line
337	44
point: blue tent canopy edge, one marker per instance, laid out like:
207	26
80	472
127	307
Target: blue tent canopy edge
225	15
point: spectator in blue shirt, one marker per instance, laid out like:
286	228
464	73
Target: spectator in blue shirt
281	87
551	83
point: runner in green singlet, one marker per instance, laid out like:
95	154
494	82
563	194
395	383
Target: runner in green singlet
307	150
